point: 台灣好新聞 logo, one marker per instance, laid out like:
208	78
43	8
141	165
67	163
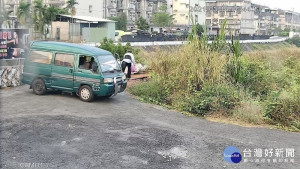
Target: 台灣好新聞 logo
232	154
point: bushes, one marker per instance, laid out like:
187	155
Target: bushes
108	44
210	98
295	40
204	79
254	77
283	110
151	91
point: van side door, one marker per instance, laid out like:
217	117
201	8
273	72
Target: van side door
62	76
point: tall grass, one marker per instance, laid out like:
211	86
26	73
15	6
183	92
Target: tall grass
204	79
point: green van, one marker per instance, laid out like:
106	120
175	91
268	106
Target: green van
85	70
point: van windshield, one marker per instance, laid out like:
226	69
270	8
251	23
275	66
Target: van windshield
109	64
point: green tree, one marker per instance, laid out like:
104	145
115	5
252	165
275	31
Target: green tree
71	6
142	24
162	18
121	21
4	17
199	29
23	12
39	13
50	15
108	44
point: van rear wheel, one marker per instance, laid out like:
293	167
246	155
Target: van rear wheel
86	93
39	87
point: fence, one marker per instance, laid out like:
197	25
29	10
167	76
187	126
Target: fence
11	71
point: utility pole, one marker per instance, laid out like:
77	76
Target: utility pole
189	16
105	8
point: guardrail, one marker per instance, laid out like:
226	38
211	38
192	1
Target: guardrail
174	43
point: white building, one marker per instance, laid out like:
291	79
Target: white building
185	10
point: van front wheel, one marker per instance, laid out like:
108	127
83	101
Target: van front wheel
39	87
86	93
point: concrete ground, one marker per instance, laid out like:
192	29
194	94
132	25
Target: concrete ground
60	131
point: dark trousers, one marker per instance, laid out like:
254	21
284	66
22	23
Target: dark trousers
128	65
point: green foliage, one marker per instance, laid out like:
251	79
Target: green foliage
219	41
151	91
199	29
214	97
71	6
23	11
283	110
142	24
108	44
4	16
121	21
295	40
50	14
39	13
162	18
203	79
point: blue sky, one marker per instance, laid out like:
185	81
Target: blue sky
282	4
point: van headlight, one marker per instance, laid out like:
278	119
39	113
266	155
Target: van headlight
124	77
108	80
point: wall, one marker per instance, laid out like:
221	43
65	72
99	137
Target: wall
11	72
97	34
64	30
200	12
97	9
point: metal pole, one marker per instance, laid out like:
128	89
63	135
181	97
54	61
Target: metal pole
105	8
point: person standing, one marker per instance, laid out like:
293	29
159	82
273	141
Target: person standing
127	62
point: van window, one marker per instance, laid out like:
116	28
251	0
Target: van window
108	64
65	60
40	57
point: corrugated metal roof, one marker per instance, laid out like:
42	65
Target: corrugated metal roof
88	18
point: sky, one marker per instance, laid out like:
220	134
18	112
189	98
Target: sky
282	4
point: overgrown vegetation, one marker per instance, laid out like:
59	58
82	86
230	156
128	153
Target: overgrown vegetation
118	50
142	24
295	40
261	87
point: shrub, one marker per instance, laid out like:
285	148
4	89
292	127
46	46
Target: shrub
249	111
255	77
284	109
108	44
210	98
151	91
295	40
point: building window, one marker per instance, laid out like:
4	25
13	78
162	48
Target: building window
222	13
65	60
90	8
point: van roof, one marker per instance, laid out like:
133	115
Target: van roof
69	48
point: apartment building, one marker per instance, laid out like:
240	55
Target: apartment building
239	15
290	20
266	20
112	8
184	11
